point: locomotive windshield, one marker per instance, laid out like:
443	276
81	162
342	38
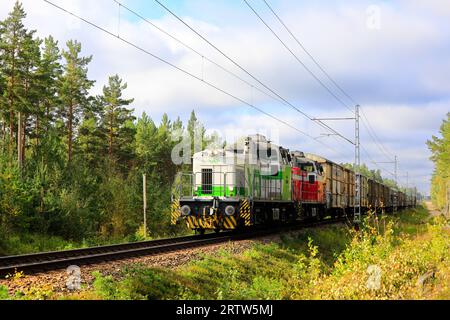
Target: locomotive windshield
308	167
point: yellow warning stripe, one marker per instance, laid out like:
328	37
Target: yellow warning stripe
175	212
189	223
245	212
203	223
207	223
230	223
195	222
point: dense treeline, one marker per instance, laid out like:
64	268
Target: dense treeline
440	184
71	164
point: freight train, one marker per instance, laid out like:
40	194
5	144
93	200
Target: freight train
254	182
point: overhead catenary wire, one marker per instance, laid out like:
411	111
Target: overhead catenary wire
296	57
278	99
188	73
252	87
375	137
365	120
301	62
184	44
375	163
185	72
310	55
321	123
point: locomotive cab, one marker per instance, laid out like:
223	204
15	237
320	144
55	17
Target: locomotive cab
217	194
308	178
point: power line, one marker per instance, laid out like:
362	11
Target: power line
368	127
375	137
279	99
252	76
194	50
297	58
324	125
184	71
310	55
375	163
195	77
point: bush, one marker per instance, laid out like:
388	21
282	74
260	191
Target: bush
4	295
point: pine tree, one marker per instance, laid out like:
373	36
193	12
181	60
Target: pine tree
49	73
3	108
74	90
196	133
12	61
117	120
29	106
165	121
145	142
91	135
177	125
192	125
47	114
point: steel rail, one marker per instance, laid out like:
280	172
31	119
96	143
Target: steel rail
56	260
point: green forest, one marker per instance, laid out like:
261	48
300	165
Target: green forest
71	164
440	183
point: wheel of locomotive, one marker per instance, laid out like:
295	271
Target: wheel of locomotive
333	214
319	215
217	230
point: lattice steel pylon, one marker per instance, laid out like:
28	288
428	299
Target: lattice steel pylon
357	204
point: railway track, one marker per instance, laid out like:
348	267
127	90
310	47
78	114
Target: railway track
48	261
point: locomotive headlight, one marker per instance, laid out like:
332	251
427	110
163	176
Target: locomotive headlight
185	210
230	210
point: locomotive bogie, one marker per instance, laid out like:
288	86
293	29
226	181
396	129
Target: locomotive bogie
215	214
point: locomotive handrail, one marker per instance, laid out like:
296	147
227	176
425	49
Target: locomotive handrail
266	188
222	174
194	184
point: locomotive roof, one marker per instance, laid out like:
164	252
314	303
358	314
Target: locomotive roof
319	158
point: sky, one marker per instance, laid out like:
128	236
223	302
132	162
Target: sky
391	57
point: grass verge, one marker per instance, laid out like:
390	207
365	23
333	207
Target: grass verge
392	257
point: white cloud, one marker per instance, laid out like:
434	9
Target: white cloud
399	72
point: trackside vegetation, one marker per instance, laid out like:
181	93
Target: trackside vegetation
440	149
71	163
323	263
410	251
400	257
